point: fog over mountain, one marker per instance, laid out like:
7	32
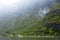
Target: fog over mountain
10	10
21	5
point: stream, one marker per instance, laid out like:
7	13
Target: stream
28	38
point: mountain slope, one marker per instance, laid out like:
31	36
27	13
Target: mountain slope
52	20
31	22
50	24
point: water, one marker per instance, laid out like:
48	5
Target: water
28	38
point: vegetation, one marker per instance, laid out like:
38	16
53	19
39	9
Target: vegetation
32	25
52	20
49	26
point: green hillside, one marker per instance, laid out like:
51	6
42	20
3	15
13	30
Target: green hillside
52	20
49	26
32	25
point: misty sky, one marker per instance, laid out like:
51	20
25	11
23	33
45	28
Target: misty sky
8	7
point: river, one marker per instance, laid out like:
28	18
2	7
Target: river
28	38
